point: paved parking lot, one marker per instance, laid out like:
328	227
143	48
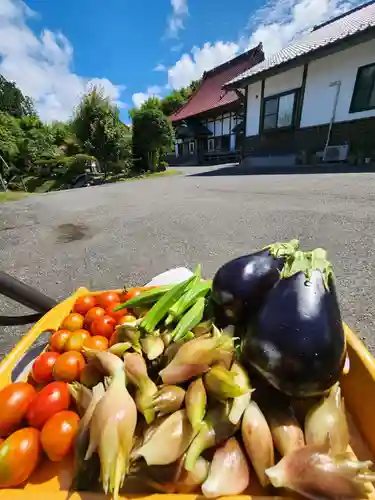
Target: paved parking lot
107	236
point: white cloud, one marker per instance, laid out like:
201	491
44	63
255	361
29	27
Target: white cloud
140	97
160	67
275	25
176	20
281	21
192	66
40	65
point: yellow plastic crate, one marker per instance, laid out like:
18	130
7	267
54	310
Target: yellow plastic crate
53	480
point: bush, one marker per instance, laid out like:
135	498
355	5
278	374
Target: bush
163	165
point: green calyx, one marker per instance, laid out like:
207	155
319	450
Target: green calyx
307	262
279	250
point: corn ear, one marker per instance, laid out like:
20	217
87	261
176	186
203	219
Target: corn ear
327	420
240	403
221	383
196	403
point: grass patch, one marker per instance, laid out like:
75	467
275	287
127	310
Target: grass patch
12	196
166	173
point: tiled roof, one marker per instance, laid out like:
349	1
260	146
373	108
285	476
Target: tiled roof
344	26
210	94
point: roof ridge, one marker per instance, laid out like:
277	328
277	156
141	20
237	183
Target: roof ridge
340	16
234	60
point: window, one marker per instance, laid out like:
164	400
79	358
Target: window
192	147
211	144
278	111
364	90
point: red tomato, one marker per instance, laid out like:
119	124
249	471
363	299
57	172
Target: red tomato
59	339
116	315
94	313
104	326
73	322
131	293
69	366
15	400
19	456
128	318
43	366
58	434
98	343
75	342
84	304
53	398
107	299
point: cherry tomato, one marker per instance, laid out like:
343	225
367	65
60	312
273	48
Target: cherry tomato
19	456
91	376
43	367
128	318
15	400
59	339
104	326
69	366
131	293
107	299
94	313
53	398
58	434
116	315
73	322
84	304
97	342
75	341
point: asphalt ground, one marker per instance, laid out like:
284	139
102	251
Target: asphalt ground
107	236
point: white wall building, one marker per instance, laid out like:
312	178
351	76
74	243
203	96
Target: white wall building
316	92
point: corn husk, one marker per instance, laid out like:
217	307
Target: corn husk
82	396
136	371
327	420
153	346
120	348
195	358
182	481
222	383
257	439
168	441
215	429
112	427
168	399
229	473
203	328
240	403
285	429
312	471
196	403
84	470
129	332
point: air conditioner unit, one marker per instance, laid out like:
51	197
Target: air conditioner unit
336	153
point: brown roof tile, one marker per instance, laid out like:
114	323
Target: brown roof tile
210	94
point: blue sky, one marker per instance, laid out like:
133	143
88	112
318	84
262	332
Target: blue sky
56	49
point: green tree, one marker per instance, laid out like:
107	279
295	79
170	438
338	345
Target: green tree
152	136
11	137
98	127
12	101
37	144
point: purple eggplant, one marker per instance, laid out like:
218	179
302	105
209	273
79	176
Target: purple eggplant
297	340
241	285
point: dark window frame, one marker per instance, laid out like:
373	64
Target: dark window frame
296	92
357	88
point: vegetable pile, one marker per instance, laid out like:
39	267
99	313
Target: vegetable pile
195	387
